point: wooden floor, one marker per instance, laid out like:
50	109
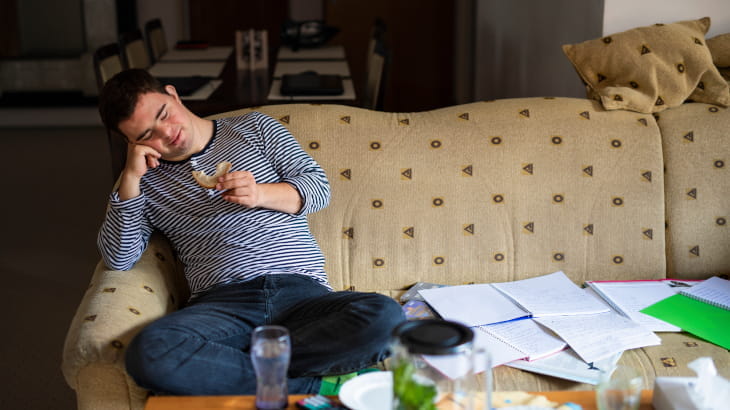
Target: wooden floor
55	184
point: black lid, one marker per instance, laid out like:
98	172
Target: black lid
433	336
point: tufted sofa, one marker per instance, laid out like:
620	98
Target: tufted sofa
483	192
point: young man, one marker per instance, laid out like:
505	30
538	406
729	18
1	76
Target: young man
249	256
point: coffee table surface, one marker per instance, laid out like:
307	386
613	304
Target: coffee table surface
585	398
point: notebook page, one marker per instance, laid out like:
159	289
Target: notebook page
596	337
472	305
499	352
550	295
715	291
632	296
528	337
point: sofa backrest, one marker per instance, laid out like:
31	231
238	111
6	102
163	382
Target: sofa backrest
697	160
484	192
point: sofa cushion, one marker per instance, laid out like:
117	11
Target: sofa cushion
720	49
485	192
649	69
697	180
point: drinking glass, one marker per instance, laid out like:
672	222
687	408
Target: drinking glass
270	354
619	389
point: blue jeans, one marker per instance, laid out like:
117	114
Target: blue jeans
203	348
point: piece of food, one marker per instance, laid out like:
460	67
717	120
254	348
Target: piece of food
209	181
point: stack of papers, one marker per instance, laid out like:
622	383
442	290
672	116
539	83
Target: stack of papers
531	319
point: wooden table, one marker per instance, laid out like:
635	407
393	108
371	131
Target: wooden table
240	89
585	398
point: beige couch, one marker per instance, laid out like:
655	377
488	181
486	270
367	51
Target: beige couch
482	192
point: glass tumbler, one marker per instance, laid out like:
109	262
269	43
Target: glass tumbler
619	389
270	354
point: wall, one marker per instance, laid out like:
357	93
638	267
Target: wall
62	33
518	46
621	15
173	14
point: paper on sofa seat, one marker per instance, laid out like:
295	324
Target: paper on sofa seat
629	297
525	335
473	305
500	353
596	337
553	294
567	365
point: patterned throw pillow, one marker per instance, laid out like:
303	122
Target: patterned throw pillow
720	48
649	69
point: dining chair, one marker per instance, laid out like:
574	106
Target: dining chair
375	76
377	33
107	62
375	70
134	49
156	40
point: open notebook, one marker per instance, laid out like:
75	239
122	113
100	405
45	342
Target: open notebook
714	291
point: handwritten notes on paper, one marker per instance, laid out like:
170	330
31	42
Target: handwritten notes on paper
628	298
551	295
538	317
525	335
598	336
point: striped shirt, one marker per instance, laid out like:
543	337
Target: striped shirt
218	241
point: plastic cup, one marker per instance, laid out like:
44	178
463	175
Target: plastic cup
270	354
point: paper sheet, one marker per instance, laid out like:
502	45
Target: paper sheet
499	351
548	295
473	305
528	337
567	365
628	298
598	336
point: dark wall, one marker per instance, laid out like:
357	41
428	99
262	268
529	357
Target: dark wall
420	38
216	21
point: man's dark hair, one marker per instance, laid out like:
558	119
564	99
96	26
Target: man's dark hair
119	96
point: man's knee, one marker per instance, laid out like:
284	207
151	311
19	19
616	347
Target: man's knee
385	313
152	357
392	311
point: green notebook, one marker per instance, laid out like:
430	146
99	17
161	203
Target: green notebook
699	318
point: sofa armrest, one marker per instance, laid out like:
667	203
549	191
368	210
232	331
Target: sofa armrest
117	305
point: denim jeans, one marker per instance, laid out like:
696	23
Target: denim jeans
203	348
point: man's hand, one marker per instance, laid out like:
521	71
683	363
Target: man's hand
241	188
140	158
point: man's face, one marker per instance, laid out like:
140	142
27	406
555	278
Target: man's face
162	123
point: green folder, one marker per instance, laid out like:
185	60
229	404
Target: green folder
699	318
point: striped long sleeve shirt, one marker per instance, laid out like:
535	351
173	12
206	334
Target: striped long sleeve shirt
218	241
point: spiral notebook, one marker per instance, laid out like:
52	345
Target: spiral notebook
714	291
